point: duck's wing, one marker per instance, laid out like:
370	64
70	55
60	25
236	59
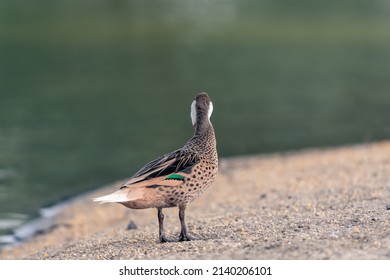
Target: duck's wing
168	170
165	166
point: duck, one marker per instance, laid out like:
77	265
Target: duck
175	178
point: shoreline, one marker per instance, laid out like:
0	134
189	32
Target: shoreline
47	217
326	203
43	223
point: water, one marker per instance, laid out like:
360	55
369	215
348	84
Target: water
92	90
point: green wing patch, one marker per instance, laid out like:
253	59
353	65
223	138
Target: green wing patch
175	177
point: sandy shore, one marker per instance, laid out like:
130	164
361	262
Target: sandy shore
313	204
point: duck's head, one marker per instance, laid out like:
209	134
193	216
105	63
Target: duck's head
201	109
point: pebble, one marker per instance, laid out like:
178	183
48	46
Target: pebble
131	225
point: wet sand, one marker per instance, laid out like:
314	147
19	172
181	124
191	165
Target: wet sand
312	204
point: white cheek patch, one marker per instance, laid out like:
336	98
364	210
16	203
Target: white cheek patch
211	107
193	113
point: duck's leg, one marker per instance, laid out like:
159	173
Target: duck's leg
161	234
183	234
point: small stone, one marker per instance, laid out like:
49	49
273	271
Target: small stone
131	225
262	196
388	207
356	229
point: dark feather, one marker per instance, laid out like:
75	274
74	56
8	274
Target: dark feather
176	161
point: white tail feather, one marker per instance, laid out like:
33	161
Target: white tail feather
118	196
121	195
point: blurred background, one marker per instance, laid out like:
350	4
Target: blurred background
91	90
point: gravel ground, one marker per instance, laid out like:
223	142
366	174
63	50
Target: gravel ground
312	204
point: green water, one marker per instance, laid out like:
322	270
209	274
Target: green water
92	90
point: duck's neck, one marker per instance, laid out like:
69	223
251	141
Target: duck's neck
203	125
